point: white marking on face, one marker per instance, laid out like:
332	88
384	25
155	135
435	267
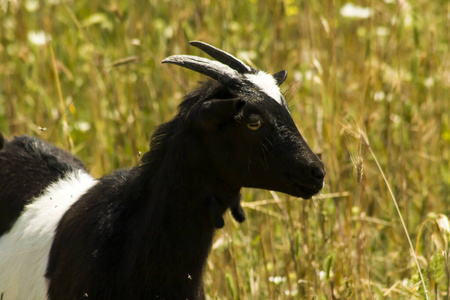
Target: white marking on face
267	84
25	248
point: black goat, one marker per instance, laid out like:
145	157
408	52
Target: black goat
146	232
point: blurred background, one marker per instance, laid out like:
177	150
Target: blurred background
368	84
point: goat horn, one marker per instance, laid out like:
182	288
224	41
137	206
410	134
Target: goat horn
222	56
214	69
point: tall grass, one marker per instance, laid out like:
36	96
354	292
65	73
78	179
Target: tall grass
86	75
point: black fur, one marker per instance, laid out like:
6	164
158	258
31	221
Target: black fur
2	141
216	208
149	226
27	166
145	233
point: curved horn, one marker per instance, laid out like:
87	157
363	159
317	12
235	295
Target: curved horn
223	57
216	70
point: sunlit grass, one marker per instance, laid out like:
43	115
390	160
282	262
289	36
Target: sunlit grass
380	65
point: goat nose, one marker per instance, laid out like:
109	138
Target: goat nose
318	173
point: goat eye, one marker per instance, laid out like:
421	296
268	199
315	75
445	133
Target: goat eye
254	125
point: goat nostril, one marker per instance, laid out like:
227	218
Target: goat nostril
318	173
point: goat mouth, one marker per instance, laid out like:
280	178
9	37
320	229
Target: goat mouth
305	190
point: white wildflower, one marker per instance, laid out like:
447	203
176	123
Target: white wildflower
382	31
428	82
38	38
379	96
32	5
82	126
277	279
349	10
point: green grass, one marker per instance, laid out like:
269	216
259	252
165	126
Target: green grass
387	76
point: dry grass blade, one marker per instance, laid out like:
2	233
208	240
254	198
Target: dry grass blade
124	61
401	220
65	126
357	148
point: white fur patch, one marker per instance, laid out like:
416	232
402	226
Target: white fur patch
267	84
24	249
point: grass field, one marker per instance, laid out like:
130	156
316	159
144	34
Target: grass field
368	86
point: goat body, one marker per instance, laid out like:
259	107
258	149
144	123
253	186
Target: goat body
146	232
38	182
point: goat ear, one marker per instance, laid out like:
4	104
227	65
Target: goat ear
280	77
216	111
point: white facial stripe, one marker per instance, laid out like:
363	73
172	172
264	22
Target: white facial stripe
267	84
24	249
